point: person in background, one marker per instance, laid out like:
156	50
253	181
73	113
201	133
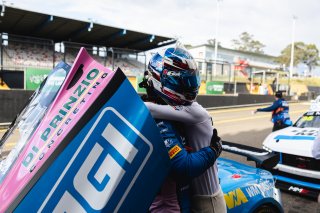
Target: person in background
280	112
274	85
175	79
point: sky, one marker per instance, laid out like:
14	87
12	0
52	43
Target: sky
194	21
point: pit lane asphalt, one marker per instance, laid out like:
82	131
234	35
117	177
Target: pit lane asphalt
239	125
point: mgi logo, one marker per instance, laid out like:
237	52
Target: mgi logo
295	189
103	169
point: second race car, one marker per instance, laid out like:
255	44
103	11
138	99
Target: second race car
297	170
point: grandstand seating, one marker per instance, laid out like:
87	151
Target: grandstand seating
27	55
19	55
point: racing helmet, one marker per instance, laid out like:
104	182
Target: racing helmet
174	76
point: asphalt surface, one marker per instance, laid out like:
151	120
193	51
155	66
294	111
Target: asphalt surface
240	125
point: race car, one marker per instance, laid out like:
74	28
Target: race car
297	170
78	147
246	188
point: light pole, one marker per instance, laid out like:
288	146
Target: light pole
292	51
216	40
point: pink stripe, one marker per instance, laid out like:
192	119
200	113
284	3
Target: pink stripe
20	175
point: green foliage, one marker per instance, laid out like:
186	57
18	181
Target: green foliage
303	53
247	43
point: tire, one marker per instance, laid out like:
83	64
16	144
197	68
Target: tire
266	209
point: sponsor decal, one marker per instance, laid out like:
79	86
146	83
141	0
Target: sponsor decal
236	176
215	88
172	73
37	79
307	132
34	77
235	198
298	190
66	113
168	142
295	189
253	191
263	188
109	175
71	100
313	113
174	151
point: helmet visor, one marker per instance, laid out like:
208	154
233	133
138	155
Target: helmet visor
190	85
190	80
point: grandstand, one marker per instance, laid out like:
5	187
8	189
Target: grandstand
31	52
35	40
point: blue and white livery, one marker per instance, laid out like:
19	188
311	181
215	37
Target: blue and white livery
297	170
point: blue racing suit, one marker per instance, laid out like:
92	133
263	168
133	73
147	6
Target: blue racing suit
184	167
280	111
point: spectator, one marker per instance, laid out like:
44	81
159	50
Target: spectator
274	85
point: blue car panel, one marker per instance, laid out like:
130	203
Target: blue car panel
247	188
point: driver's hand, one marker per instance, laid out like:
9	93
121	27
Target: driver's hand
216	144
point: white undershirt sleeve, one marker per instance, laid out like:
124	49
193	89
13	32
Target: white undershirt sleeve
185	114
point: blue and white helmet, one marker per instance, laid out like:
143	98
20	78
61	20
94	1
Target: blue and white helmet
174	76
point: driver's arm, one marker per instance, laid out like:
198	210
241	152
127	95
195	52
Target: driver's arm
184	165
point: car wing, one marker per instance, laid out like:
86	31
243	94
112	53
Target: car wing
263	158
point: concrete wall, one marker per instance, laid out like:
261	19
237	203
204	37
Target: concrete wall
12	101
242	99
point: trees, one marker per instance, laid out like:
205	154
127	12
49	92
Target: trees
247	43
307	54
310	56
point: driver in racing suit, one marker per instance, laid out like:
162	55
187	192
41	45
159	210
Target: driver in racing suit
280	112
174	193
174	78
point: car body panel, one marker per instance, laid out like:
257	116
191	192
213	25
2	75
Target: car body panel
297	170
245	187
292	140
76	139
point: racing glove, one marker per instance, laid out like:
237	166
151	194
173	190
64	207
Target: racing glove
216	144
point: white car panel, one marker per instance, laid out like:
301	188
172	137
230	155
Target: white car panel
292	140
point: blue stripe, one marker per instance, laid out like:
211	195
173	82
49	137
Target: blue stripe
287	137
297	182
